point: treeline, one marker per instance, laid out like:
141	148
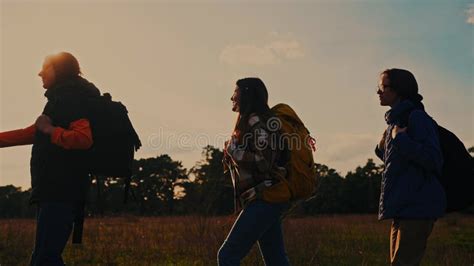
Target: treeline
162	186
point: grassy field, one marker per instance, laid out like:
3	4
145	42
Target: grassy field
325	240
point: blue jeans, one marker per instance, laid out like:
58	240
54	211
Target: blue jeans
258	222
54	224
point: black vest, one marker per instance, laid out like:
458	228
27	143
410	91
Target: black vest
58	174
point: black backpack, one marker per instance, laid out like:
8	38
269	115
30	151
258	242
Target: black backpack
114	144
115	139
457	174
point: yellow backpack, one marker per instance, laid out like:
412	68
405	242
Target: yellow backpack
300	182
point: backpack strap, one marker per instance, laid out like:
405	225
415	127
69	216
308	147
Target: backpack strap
78	223
127	190
405	117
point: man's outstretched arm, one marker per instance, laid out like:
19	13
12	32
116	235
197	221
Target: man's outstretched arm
18	137
77	136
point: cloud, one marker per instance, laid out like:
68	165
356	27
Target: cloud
271	53
470	14
289	49
348	147
248	55
346	151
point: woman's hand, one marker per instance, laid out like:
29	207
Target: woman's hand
396	129
229	147
43	123
226	146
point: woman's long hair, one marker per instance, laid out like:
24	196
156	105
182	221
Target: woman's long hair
253	101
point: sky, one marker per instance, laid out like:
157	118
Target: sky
174	65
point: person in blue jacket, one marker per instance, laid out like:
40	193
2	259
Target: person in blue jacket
411	194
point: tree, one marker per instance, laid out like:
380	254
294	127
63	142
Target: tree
163	187
106	196
155	181
328	195
15	203
361	188
210	192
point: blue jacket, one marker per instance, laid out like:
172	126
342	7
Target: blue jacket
413	160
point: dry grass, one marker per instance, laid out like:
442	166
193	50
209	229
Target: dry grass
326	240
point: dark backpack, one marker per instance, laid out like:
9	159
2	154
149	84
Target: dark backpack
457	176
114	144
457	173
115	139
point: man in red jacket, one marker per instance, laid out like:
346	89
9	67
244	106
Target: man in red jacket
60	136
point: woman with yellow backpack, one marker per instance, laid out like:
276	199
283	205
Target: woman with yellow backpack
268	172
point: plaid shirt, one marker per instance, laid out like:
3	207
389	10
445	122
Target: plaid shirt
252	163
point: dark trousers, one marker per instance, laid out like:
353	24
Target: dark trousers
54	223
259	222
408	239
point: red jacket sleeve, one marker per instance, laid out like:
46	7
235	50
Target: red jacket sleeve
17	137
78	136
